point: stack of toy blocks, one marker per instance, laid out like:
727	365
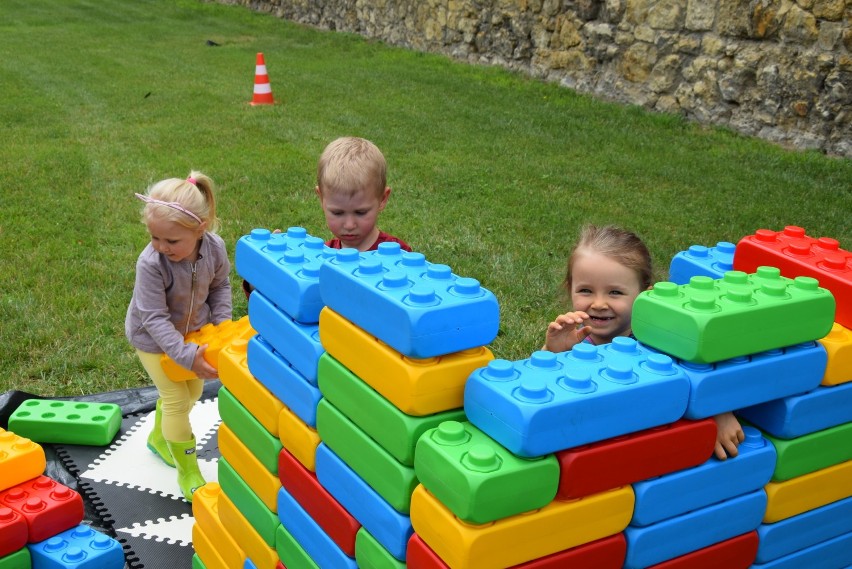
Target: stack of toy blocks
41	520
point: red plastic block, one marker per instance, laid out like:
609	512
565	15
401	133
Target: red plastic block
13	531
606	553
797	254
735	553
327	512
615	462
47	506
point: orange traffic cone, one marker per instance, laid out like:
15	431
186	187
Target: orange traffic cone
262	88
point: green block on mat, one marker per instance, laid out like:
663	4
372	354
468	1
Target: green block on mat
369	553
710	320
394	430
262	444
391	479
66	422
18	560
264	521
292	555
811	452
479	480
197	563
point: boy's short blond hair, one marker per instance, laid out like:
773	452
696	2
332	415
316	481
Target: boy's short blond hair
350	165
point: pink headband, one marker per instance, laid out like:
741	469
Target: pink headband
173	205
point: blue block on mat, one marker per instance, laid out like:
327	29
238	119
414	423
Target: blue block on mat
80	547
390	528
283	380
551	402
750	380
419	313
297	343
285	268
316	543
798	415
810	528
714	481
700	528
835	553
699	260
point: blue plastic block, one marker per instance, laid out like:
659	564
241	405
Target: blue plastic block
551	402
297	343
750	380
421	314
80	547
699	260
805	530
798	415
714	481
700	528
316	543
249	564
389	527
285	268
283	380
835	553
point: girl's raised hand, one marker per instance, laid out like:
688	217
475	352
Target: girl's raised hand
563	333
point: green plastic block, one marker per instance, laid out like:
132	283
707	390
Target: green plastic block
18	560
264	521
710	320
197	563
292	555
369	553
66	422
391	479
262	444
479	480
395	431
812	452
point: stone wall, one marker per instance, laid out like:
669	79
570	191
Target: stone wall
777	69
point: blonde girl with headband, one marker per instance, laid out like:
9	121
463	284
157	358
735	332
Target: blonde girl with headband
181	284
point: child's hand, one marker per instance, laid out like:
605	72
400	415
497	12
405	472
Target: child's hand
563	334
729	434
200	366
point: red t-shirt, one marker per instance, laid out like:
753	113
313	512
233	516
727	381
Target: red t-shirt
382	238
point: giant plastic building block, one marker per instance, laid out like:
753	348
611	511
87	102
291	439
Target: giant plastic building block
298	343
284	267
419	315
804	530
257	399
714	481
20	559
734	553
207	555
66	422
47	506
392	480
263	520
20	459
835	552
217	337
249	468
369	553
611	463
392	429
80	547
13	531
209	537
321	506
518	539
478	480
606	391
799	415
798	254
291	553
260	442
283	380
798	495
809	453
390	528
416	387
298	438
693	530
699	260
263	555
750	380
838	345
710	320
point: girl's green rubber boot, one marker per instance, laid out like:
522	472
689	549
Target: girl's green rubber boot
186	461
156	442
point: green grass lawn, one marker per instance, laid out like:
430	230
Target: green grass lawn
492	173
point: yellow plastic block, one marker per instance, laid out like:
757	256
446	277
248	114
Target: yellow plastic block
298	438
805	493
20	459
263	556
415	386
838	344
518	539
217	337
235	375
251	470
205	510
205	551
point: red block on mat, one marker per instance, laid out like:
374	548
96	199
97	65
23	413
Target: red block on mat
613	463
735	553
47	506
13	531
